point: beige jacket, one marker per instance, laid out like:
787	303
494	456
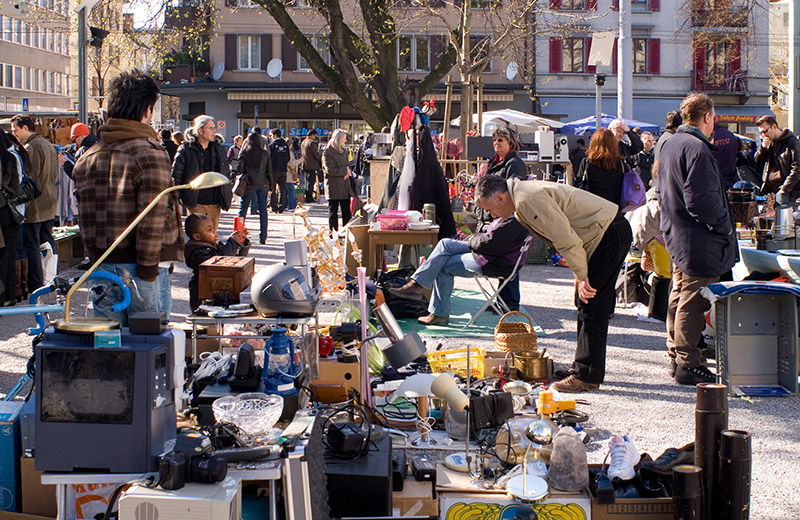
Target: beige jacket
44	170
571	220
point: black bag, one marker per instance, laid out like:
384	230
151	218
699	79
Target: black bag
18	217
402	306
29	190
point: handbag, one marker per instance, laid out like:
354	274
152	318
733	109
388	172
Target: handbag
633	193
18	217
240	185
29	190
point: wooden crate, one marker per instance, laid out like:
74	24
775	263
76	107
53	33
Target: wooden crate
225	275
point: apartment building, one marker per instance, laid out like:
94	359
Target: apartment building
715	46
35	57
254	76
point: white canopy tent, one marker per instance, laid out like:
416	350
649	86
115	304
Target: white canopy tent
522	122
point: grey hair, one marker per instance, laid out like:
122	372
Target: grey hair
489	185
199	122
509	135
615	123
335	136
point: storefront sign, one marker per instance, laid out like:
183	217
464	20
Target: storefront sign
730	118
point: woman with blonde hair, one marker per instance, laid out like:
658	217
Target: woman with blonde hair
336	166
603	169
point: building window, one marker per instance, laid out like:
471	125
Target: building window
197	108
26	34
249	52
18	77
50	41
51	83
36	80
572	55
8	28
639	56
43	39
413	53
479	48
322	45
26	78
9	76
573	5
17	31
246	3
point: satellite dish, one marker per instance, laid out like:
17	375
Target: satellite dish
274	68
219	70
511	71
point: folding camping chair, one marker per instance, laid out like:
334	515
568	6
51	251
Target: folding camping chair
492	292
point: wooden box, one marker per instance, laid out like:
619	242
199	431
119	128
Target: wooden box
225	275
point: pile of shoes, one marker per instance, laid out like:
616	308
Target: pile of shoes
631	475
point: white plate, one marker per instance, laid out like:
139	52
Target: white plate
419	227
788	252
535	488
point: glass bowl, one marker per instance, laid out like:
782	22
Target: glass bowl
252	412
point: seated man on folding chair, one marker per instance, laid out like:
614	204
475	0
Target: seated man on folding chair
494	253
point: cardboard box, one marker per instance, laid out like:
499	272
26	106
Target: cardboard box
487	506
203	344
494	360
632	508
5	515
416	499
225	275
10	452
331	370
36	498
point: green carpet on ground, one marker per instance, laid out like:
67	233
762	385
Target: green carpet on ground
462	304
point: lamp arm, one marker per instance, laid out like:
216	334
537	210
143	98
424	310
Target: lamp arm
114	245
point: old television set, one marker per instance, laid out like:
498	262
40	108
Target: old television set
103	409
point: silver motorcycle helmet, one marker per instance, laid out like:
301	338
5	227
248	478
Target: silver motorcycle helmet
282	291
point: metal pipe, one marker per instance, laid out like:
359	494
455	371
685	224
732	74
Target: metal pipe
734	475
711	418
388	323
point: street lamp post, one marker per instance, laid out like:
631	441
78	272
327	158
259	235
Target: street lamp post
82	10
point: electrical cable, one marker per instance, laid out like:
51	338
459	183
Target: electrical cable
147	482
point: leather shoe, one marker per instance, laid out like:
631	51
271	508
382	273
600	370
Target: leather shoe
671	457
573	385
563	374
432	319
411	287
601	487
693	376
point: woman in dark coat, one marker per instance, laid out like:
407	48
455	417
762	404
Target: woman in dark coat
335	164
13	159
506	164
603	169
255	165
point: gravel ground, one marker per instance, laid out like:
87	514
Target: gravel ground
638	396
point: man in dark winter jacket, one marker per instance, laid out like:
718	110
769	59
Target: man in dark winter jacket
627	151
644	160
279	155
202	152
698	230
727	145
312	166
778	159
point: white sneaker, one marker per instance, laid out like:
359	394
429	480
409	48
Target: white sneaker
624	457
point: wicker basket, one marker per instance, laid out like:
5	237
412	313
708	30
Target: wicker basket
514	336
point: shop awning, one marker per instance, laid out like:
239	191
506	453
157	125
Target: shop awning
330	96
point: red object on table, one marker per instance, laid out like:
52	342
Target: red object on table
325	346
238	224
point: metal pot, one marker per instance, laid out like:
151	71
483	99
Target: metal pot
784	223
534	364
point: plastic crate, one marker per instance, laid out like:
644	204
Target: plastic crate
455	361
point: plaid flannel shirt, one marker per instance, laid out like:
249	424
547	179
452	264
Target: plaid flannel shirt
116	180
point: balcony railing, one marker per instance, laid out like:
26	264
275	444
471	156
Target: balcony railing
730	17
734	84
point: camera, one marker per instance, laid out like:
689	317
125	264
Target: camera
191	461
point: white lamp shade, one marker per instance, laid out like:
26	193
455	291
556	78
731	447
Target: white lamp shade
418	385
444	387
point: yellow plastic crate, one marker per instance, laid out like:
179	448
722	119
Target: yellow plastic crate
455	361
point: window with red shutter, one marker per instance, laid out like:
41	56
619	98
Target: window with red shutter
654	58
591	5
591	69
555	4
654	5
699	65
615	5
555	55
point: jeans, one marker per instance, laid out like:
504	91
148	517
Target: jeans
156	296
686	317
312	176
450	258
256	196
333	212
278	201
604	266
35	234
365	187
291	200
